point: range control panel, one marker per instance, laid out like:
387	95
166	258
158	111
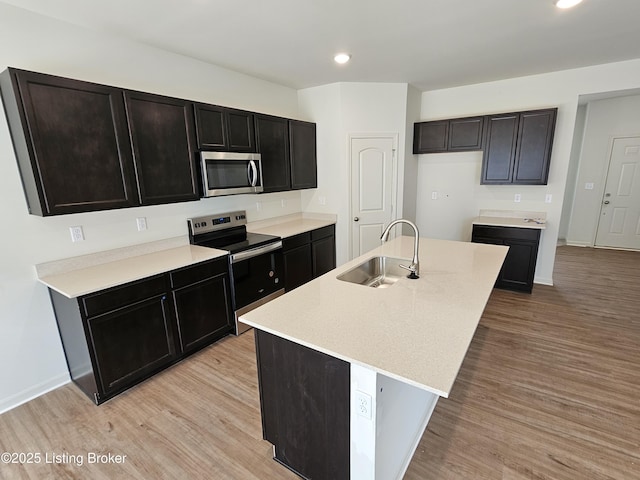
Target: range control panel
211	223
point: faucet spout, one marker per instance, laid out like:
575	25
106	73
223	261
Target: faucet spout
414	268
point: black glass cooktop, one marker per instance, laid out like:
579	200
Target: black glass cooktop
234	240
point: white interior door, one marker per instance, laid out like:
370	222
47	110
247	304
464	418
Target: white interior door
372	190
619	224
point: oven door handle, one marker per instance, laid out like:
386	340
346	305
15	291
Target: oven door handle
254	252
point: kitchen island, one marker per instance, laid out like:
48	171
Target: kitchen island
349	374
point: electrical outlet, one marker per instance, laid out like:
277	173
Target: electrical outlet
547	198
588	186
141	223
283	202
77	235
434	195
363	404
258	206
517	198
322	200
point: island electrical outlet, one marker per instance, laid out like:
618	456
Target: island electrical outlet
363	404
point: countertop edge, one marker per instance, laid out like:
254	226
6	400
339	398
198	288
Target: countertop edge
509	222
94	278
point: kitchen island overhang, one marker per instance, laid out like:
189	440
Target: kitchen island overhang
404	344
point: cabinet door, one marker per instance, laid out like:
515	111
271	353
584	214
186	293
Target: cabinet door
71	141
499	149
224	129
519	267
533	153
431	137
240	128
162	134
323	250
304	400
210	127
323	253
131	343
465	134
273	145
302	140
298	267
203	312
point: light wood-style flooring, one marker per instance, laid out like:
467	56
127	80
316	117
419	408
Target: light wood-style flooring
550	389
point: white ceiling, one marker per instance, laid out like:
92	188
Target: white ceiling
429	43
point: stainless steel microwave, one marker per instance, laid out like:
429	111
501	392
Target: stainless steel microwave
227	173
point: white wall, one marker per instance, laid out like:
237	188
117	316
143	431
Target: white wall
605	119
572	173
466	196
342	109
30	350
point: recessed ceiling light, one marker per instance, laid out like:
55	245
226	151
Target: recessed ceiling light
342	58
567	3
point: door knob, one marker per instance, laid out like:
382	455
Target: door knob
355	219
606	202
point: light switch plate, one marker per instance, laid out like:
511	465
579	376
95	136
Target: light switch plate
547	198
588	186
517	197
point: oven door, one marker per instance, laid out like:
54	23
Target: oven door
225	173
256	277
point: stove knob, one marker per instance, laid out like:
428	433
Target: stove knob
271	274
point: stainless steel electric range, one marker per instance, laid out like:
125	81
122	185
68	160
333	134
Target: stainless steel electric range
255	260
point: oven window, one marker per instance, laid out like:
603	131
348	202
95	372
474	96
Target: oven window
226	174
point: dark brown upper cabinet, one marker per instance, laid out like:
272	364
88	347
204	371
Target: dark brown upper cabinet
288	151
162	135
272	141
224	129
71	142
453	135
302	145
518	147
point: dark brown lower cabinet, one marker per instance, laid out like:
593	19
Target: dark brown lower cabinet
308	255
304	399
120	336
520	265
202	306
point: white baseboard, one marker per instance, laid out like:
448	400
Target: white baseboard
544	281
19	398
571	243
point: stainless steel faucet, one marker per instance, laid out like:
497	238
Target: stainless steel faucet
414	268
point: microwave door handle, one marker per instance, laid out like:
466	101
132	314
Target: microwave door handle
253	173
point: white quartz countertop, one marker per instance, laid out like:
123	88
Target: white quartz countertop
82	281
510	222
512	218
291	225
417	331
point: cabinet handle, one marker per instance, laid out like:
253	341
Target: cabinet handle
355	219
606	202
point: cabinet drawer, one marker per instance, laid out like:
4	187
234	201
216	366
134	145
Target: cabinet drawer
127	294
198	272
295	241
487	231
322	232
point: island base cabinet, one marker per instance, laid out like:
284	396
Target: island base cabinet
304	399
